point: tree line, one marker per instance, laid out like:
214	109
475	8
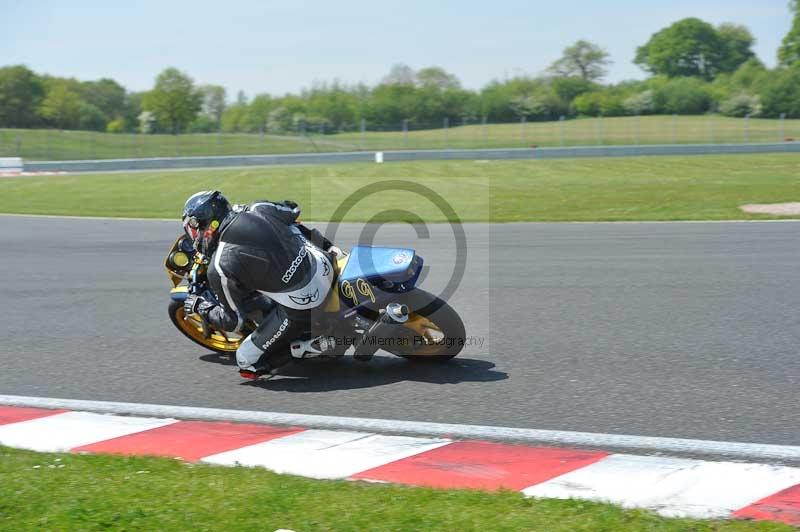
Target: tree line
695	68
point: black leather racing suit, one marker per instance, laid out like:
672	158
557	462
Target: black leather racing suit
263	249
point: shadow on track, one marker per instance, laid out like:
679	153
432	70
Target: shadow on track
317	375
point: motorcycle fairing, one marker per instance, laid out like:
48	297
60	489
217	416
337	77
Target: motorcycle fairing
386	269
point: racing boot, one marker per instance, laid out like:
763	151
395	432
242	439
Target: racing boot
314	347
255	375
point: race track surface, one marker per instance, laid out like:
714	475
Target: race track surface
682	330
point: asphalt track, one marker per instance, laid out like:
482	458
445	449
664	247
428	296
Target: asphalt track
685	330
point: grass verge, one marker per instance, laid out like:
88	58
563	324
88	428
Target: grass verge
634	188
81	492
49	144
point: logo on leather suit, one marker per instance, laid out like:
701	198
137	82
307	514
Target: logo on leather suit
306	299
277	335
295	264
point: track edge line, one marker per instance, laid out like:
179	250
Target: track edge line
782	454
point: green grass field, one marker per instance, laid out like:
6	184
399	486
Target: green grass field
591	189
61	145
81	492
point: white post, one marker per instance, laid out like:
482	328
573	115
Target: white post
379	157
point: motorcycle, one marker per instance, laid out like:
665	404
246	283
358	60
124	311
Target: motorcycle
374	304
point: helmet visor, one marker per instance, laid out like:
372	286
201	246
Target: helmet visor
192	227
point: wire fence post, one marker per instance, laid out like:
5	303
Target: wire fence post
638	127
522	136
19	145
47	135
484	131
747	127
561	130
363	132
405	132
781	119
598	130
675	129
710	130
446	126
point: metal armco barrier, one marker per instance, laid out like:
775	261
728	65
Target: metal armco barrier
166	163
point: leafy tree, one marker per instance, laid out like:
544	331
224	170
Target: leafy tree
147	122
116	126
781	93
234	119
106	95
567	88
214	102
641	103
522	96
21	92
133	108
91	117
528	105
584	59
279	119
689	47
737	42
62	105
684	95
605	102
750	74
741	104
333	105
203	124
390	104
174	100
400	74
437	77
258	113
789	52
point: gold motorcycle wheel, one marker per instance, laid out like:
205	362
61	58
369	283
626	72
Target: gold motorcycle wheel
193	329
435	330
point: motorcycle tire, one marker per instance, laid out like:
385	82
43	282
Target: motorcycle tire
192	330
430	319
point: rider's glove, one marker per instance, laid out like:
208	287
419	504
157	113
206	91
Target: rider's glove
336	252
191	303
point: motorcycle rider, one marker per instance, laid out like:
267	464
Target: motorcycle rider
259	248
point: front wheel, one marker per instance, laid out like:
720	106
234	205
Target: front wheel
192	328
434	330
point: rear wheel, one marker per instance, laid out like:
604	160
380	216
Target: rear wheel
434	330
192	328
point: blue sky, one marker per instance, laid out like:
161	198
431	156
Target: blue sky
275	47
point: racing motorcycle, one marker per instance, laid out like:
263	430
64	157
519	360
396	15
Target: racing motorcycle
375	304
